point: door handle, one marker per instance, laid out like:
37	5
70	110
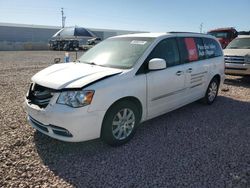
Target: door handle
189	70
178	73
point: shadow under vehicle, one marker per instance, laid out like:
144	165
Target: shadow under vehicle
208	150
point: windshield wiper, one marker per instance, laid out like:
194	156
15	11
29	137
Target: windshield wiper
91	63
87	62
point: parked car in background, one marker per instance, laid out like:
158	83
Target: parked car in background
237	56
90	43
224	35
70	38
123	81
93	41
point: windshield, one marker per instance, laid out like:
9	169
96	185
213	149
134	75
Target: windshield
222	34
120	53
239	43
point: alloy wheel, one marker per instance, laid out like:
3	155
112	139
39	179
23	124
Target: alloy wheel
212	91
123	124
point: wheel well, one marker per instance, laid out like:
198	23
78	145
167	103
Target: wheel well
217	76
131	99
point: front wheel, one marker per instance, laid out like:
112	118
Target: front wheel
120	123
212	91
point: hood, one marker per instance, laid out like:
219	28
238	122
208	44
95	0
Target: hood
237	52
71	75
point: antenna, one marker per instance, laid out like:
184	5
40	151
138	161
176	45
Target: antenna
63	18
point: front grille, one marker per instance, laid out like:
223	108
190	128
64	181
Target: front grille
39	95
232	68
235	59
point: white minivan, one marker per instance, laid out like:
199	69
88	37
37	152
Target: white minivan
122	82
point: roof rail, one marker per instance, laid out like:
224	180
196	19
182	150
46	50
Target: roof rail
176	32
223	28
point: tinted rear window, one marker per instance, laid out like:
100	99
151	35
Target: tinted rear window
212	48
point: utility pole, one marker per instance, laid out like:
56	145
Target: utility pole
201	26
63	18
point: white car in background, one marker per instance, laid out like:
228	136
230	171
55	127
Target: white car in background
237	56
123	81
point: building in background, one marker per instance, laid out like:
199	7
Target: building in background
36	37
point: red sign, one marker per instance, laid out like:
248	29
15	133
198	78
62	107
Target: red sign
191	48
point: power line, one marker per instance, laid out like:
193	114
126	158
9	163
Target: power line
201	27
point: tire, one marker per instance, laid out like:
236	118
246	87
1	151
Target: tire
120	122
246	77
212	92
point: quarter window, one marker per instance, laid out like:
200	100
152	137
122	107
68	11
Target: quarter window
212	48
200	48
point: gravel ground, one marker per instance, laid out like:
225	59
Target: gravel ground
195	146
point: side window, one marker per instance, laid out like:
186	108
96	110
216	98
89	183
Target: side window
166	49
212	48
200	48
191	49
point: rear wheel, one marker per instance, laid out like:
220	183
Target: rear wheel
120	123
246	78
212	91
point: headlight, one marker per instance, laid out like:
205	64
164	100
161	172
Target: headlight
76	99
247	58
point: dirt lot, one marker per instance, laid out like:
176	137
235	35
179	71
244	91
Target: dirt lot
195	146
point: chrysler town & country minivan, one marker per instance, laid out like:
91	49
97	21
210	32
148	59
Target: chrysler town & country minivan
122	82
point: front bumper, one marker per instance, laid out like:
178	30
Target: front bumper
237	69
65	123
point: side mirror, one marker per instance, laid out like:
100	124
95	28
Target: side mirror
57	60
157	64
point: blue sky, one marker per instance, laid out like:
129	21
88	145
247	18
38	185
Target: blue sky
142	15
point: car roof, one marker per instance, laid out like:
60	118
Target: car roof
156	35
153	35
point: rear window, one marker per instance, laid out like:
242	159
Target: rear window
212	48
220	34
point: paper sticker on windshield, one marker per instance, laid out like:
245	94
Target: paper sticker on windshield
138	42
